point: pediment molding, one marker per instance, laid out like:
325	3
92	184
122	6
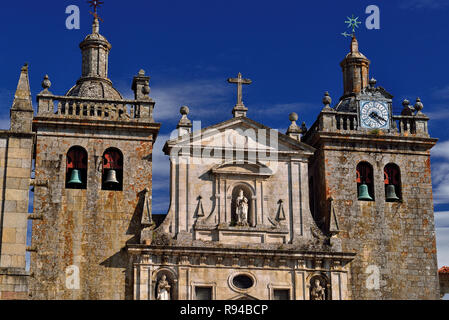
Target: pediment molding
197	138
242	169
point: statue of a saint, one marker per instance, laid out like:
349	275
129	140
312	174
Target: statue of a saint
241	210
317	292
163	289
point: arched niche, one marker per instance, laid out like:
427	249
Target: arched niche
171	278
248	193
319	287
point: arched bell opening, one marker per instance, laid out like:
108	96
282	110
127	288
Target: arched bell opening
242	200
112	172
392	180
365	182
76	168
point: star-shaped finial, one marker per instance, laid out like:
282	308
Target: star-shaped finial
353	23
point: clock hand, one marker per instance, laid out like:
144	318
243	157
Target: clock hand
375	115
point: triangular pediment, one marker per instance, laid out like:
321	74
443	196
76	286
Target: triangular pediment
240	133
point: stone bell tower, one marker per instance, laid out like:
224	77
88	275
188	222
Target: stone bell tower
93	163
371	186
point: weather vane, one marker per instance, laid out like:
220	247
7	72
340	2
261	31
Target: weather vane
95	4
352	23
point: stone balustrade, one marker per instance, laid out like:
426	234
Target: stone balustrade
333	121
346	121
92	108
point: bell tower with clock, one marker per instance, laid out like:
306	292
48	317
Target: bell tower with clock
371	189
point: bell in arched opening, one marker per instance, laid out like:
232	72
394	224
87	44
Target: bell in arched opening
363	193
75	178
391	193
111	177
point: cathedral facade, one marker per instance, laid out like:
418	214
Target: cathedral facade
341	210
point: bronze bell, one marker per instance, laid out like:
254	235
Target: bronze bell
75	177
391	193
112	177
363	193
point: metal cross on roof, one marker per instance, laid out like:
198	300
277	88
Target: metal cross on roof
95	4
239	81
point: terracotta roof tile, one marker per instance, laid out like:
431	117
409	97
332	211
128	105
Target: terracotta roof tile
444	270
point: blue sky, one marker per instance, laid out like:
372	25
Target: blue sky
291	50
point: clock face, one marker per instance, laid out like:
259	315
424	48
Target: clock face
374	114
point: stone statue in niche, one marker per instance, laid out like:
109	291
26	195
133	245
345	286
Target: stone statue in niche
163	289
241	210
317	291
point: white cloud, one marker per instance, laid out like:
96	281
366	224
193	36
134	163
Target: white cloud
284	109
203	97
161	164
442	234
438	115
440	172
441	150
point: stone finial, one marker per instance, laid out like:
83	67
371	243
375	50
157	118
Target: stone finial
141	86
293	117
22	108
334	228
96	26
184	111
303	127
408	110
327	100
372	83
147	219
22	97
293	130
419	106
184	125
146	88
46	83
354	45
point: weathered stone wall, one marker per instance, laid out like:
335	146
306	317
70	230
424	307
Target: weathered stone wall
87	228
397	238
15	170
269	270
13	284
15	173
444	283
